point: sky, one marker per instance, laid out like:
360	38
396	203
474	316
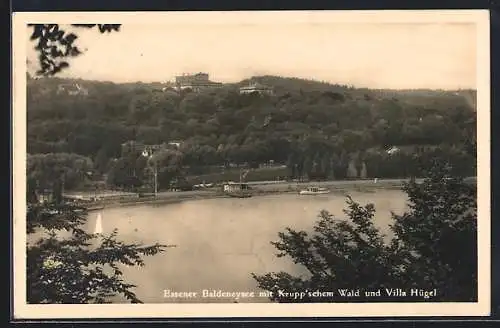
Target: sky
376	55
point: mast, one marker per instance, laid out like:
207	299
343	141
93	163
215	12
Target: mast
156	178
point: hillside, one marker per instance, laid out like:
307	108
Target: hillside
285	84
305	124
280	84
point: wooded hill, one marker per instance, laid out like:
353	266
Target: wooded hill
308	125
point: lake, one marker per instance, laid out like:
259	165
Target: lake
219	242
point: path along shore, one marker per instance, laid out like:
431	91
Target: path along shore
258	189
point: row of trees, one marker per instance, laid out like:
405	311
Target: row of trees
132	170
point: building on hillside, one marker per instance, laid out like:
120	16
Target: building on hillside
175	144
169	86
169	89
256	88
147	150
134	146
74	89
195	82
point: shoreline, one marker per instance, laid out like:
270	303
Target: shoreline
265	189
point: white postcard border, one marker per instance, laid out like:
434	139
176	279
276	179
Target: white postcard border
26	311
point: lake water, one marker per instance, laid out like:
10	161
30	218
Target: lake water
219	242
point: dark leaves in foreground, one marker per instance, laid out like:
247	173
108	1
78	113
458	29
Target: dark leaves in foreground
54	45
433	246
67	265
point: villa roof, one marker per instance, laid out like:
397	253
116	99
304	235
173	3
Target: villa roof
256	85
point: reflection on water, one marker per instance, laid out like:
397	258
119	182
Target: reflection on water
219	242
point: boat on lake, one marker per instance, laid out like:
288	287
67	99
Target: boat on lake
312	190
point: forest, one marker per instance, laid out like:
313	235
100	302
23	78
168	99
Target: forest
314	130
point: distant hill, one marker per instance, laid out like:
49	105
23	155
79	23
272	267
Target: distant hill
281	85
304	120
292	84
416	97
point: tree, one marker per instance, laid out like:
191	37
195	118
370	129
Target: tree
47	168
363	173
438	236
80	268
128	171
434	245
352	172
55	44
307	166
101	160
326	166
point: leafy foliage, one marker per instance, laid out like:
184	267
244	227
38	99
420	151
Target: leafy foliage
68	265
45	169
55	44
439	234
318	130
434	245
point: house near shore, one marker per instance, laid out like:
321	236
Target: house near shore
235	186
237	189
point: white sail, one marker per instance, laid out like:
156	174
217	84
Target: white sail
98	224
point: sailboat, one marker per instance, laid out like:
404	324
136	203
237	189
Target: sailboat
98	224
